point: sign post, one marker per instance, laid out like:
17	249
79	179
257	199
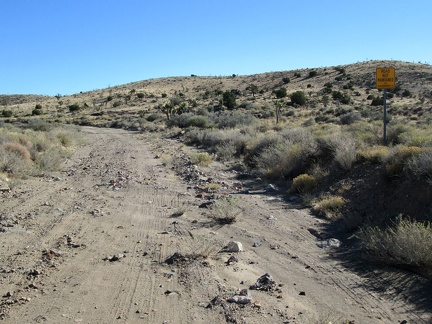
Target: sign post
385	79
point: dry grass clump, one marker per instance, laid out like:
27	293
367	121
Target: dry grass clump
375	154
420	166
329	206
304	183
204	246
289	154
398	157
201	158
15	159
30	151
225	210
344	150
406	242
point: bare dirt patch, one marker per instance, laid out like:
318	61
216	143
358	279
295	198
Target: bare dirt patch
120	236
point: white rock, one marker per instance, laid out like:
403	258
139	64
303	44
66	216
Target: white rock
234	246
332	242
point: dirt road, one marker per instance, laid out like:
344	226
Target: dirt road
90	244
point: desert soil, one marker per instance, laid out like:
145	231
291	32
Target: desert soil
90	244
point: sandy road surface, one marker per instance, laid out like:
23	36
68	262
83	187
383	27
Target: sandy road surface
89	245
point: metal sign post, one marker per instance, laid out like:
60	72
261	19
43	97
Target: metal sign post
385	79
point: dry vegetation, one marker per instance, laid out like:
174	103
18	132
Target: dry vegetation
319	130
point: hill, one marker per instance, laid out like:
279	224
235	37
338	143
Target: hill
330	92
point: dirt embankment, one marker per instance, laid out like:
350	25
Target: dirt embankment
119	237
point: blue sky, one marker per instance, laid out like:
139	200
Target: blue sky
67	46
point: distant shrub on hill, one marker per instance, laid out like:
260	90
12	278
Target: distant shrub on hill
280	93
298	98
7	113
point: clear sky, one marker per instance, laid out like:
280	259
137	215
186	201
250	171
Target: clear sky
67	46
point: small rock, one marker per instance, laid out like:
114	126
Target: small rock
243	300
256	244
214	302
231	260
234	246
302	293
271	188
332	242
265	282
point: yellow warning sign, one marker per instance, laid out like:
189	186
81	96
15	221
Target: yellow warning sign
385	78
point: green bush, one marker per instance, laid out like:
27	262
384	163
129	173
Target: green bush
286	80
74	107
377	101
298	98
36	112
280	93
7	113
313	74
229	99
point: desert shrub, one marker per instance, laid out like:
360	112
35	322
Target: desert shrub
231	119
51	159
344	149
341	97
286	80
189	120
395	133
225	210
14	159
398	157
304	183
7	113
229	99
349	118
406	93
405	242
201	158
313	73
225	151
366	132
280	93
377	101
416	137
298	98
375	154
284	159
201	246
65	139
74	107
420	166
117	104
36	112
257	146
152	117
38	124
329	206
318	171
